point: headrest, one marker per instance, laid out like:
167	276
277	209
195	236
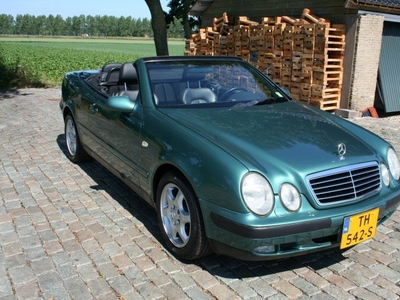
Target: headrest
200	95
196	73
127	73
109	66
131	94
195	76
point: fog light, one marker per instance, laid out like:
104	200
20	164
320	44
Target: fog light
265	249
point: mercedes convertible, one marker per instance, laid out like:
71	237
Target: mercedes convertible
230	163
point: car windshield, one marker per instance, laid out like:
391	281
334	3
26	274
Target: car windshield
207	83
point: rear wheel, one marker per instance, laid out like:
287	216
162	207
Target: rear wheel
75	151
180	218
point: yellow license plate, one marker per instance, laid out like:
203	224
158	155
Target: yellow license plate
359	228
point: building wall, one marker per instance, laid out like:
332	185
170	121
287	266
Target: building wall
351	22
366	61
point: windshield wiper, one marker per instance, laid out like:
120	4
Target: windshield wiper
245	104
260	102
269	100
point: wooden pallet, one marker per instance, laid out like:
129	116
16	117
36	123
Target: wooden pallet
304	55
308	16
320	91
222	24
327	105
327	78
307	75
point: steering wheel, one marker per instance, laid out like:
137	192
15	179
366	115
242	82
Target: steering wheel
230	92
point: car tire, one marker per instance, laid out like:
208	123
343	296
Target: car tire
180	219
75	151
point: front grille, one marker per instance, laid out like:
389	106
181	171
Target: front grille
346	184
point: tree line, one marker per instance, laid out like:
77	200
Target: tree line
97	26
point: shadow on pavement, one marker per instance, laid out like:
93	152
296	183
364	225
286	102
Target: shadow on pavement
217	265
9	93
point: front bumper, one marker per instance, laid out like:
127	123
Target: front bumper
255	243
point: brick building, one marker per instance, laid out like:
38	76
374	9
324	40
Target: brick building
371	74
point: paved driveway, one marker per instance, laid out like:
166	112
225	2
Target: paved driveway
76	232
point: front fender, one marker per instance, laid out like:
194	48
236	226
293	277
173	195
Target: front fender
214	174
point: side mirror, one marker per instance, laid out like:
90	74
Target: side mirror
121	104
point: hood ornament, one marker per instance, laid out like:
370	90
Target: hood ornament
341	151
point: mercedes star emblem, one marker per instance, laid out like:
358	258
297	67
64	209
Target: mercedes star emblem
341	150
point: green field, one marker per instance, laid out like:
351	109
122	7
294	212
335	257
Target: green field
42	62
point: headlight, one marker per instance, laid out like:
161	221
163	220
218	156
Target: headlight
385	175
394	164
290	197
257	193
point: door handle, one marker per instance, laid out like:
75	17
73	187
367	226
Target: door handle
93	108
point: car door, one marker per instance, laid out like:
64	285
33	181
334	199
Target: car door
117	138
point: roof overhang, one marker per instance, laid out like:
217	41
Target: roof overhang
384	6
200	7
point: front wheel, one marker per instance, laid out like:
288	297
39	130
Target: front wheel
75	151
180	218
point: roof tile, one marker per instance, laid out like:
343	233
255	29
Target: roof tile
386	3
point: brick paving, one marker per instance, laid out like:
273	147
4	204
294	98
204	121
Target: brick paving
76	232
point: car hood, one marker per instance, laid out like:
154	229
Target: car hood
288	136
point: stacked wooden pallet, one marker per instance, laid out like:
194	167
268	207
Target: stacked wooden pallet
304	55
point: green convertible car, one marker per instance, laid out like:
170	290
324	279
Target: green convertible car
231	164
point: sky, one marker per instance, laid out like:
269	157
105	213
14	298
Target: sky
70	8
